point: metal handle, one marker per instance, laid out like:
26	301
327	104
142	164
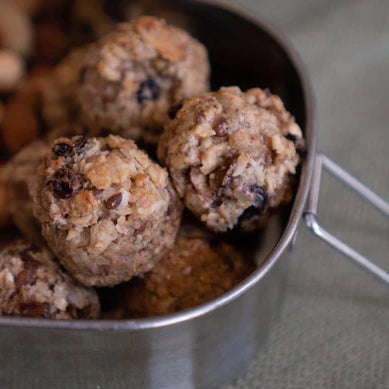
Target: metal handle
310	215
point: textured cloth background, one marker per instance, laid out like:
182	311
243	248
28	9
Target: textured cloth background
334	327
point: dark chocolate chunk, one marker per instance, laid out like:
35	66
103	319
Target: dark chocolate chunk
148	90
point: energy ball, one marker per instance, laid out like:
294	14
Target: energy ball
193	272
60	104
20	171
231	156
135	73
106	210
33	285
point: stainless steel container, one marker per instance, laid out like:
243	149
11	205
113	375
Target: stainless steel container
209	345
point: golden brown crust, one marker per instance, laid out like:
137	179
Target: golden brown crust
193	272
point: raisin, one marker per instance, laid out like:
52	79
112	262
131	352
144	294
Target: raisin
148	90
63	150
79	143
61	189
113	202
173	110
260	197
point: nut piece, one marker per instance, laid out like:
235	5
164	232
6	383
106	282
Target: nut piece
106	210
135	73
193	272
15	28
11	70
33	285
230	157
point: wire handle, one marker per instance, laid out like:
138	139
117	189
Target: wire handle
310	215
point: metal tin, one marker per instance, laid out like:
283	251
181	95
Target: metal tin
209	345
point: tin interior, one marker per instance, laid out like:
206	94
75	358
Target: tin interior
245	53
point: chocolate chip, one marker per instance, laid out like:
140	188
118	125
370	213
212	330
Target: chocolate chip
148	90
63	150
113	202
173	110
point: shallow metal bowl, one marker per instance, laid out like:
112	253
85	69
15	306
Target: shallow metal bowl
209	345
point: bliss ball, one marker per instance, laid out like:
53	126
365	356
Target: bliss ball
136	73
106	210
60	105
33	285
193	272
20	171
232	156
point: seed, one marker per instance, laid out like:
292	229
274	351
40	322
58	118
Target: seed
113	202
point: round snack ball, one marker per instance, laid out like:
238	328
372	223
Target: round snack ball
135	73
21	170
33	285
193	272
59	96
106	210
231	156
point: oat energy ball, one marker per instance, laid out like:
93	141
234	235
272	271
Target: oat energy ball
193	272
60	104
20	171
33	285
106	210
231	156
136	73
